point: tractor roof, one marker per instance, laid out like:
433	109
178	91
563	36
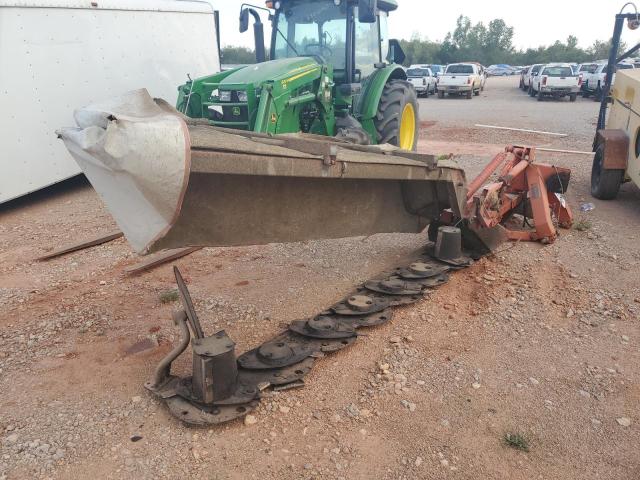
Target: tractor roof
387	5
384	5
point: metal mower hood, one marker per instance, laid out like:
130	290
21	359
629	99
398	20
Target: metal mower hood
170	181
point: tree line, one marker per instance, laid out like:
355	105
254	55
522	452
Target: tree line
493	43
488	44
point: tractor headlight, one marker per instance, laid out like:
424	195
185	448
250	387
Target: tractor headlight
242	96
225	95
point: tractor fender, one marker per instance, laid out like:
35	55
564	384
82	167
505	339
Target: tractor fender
616	148
372	91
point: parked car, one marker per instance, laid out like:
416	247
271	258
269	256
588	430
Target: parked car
595	78
528	74
436	69
555	80
523	73
422	79
499	70
584	69
461	79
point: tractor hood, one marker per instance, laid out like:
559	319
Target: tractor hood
275	70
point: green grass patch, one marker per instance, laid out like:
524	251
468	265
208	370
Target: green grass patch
169	296
517	441
582	225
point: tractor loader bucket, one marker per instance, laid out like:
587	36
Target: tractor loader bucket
170	181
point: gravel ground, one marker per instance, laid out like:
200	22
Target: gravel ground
540	341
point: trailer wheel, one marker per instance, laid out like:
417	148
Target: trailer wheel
597	96
477	92
397	119
604	183
572	97
540	96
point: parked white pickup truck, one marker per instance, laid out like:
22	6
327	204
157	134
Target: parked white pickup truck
584	69
595	78
461	79
555	80
422	79
532	70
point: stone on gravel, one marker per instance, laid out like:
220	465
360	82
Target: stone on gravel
624	421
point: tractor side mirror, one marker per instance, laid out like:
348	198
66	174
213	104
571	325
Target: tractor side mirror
396	54
244	20
367	11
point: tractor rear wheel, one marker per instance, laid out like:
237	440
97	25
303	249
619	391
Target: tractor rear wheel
397	118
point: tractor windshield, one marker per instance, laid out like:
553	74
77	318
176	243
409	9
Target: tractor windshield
312	28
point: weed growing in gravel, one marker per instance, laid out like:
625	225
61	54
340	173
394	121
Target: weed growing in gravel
582	225
517	441
169	296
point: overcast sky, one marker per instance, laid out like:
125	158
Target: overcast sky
535	22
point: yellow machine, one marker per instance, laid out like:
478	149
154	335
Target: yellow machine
617	155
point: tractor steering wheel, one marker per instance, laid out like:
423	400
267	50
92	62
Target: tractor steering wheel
321	46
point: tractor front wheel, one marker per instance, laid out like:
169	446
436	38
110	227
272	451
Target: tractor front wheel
397	118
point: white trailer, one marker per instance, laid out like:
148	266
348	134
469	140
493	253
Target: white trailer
57	55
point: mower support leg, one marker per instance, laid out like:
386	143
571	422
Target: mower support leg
562	212
539	200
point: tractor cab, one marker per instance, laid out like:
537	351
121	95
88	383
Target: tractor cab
350	36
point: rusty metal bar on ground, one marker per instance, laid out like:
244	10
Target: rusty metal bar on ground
159	258
82	245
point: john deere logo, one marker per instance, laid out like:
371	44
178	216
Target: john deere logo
273	118
236	111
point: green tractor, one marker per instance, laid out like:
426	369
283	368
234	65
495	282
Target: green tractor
332	72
